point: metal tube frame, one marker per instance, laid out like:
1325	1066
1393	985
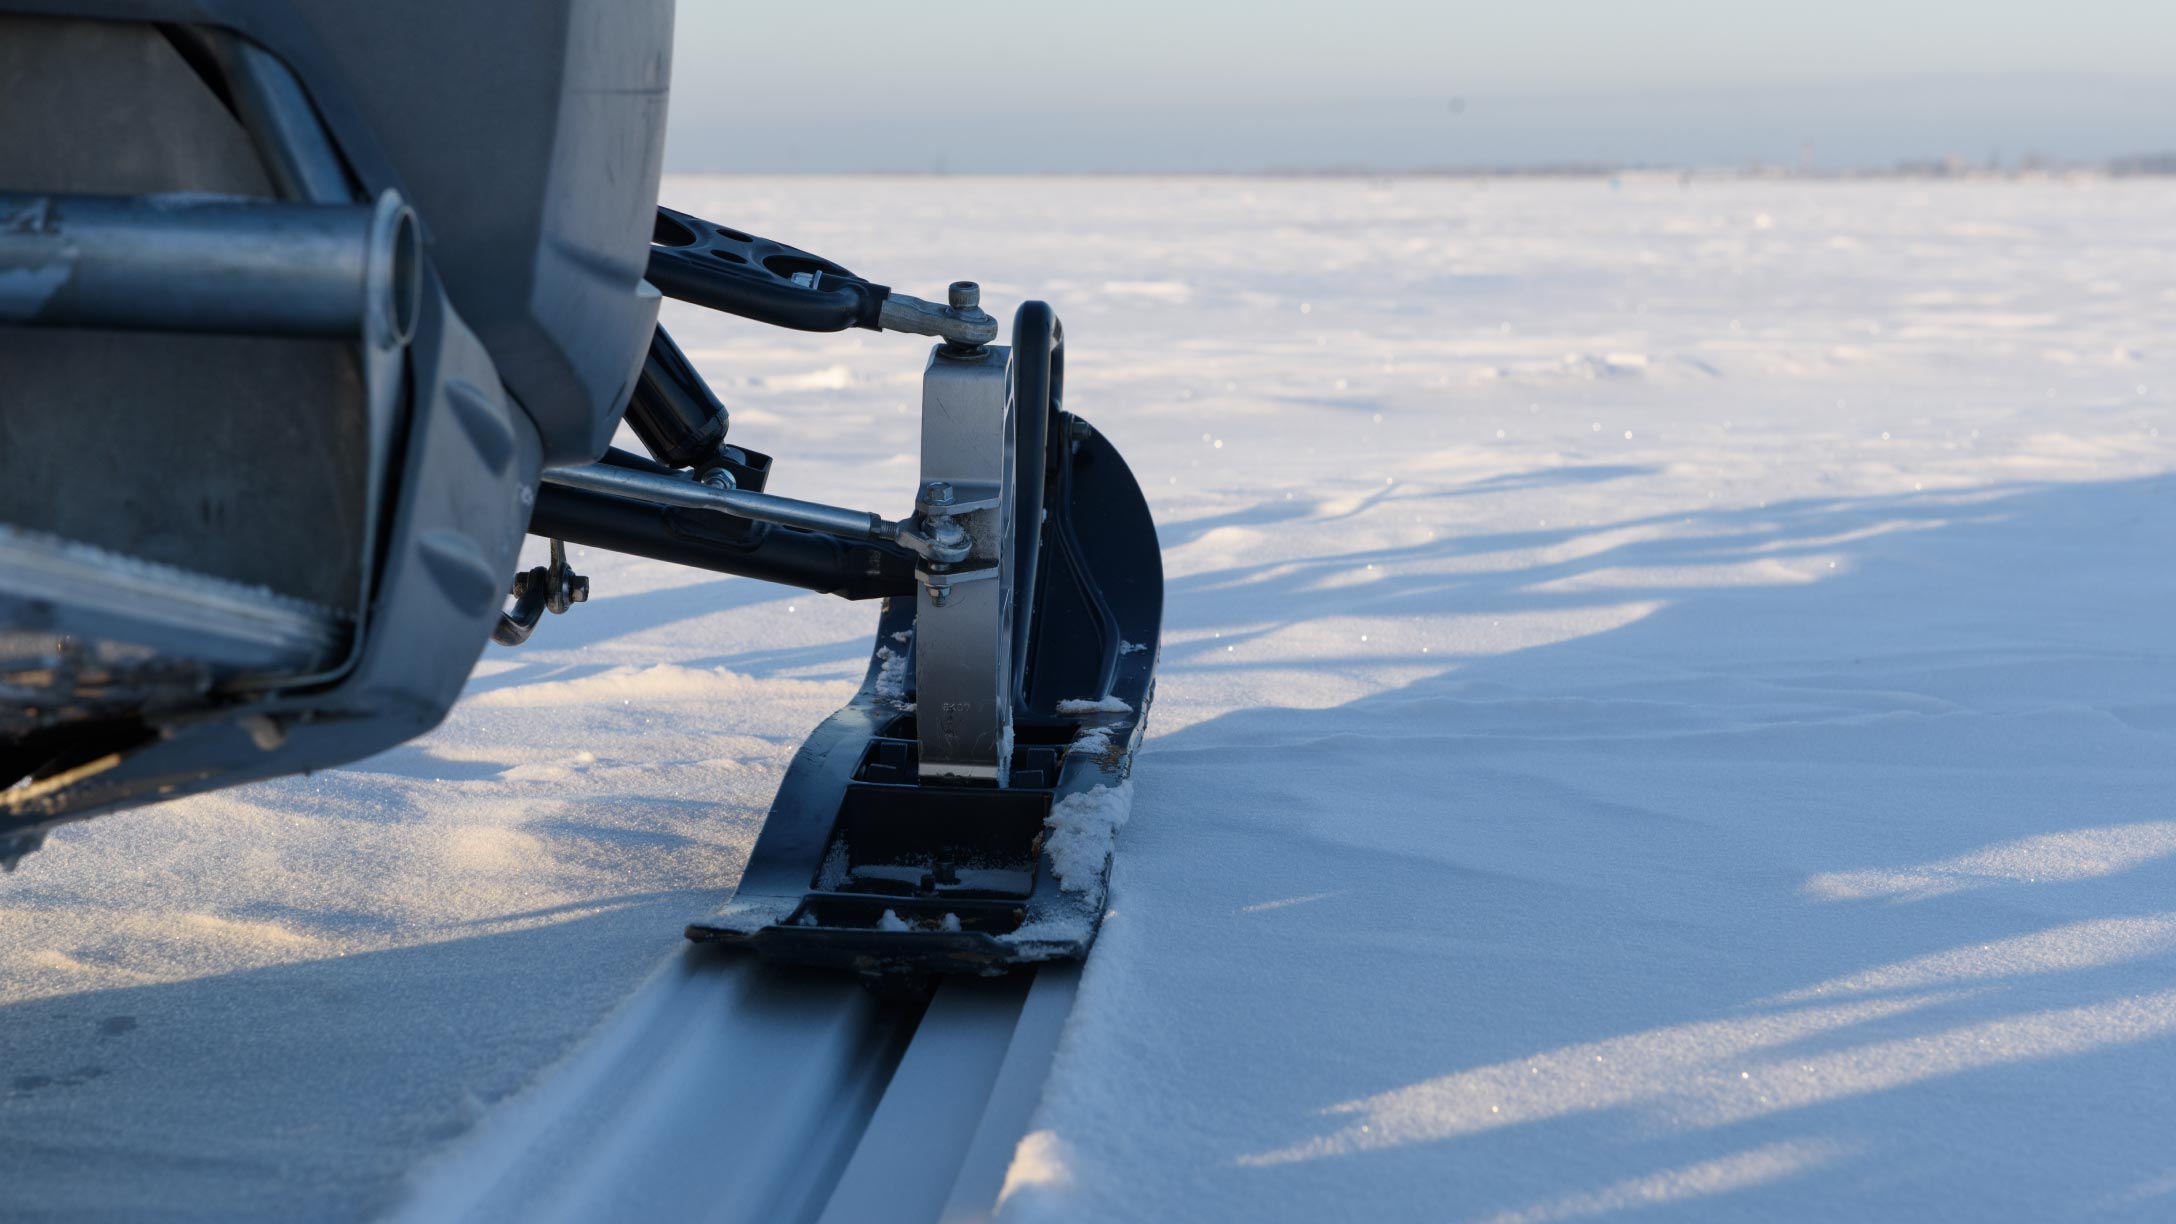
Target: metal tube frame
705	538
688	494
166	263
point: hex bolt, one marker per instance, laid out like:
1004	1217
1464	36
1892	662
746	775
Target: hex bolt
718	478
938	493
965	295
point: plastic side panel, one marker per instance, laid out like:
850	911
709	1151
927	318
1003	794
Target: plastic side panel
463	498
529	137
109	108
601	205
464	508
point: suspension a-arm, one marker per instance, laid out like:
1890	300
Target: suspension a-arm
714	540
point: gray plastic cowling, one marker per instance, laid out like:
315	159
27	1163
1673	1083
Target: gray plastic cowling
469	477
530	140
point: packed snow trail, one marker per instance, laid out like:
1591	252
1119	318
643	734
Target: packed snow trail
729	1092
1666	707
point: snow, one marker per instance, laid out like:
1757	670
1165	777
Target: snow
1092	741
1081	830
1722	774
1094	705
1736	789
891	674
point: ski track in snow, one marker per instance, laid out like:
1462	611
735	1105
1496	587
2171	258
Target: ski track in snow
1666	706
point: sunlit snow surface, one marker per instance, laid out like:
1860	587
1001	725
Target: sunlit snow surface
1667	706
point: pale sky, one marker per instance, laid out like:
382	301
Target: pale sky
1214	85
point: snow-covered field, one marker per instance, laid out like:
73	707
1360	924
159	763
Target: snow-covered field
1667	705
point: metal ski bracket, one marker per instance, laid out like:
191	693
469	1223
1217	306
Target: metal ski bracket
963	608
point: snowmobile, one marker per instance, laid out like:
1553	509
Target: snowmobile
310	312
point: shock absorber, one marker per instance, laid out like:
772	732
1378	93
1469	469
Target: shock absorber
672	411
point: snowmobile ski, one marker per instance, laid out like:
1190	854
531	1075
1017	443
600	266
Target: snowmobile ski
958	815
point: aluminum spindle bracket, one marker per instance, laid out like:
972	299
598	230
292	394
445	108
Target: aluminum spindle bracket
963	622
